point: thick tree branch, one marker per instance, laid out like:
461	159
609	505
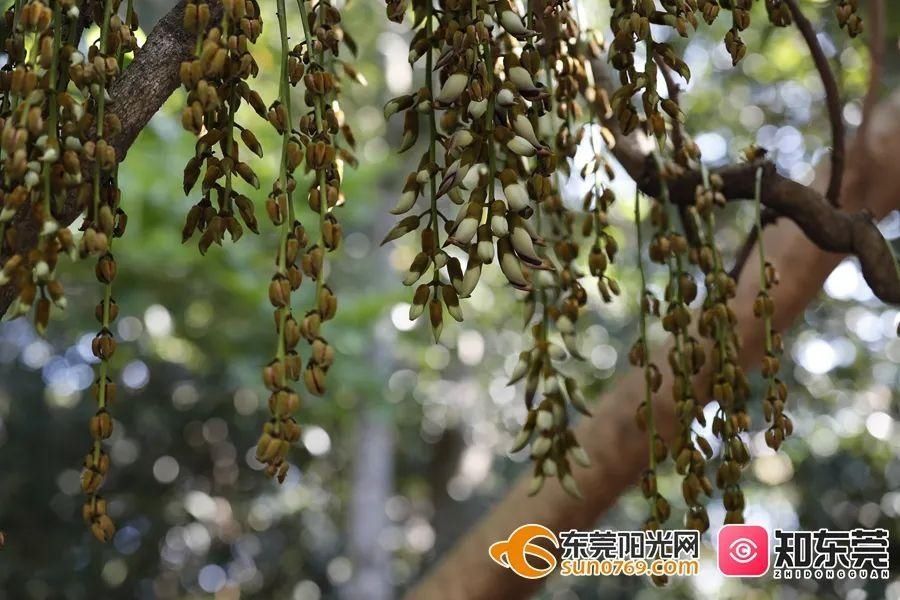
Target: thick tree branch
832	101
153	74
136	96
831	229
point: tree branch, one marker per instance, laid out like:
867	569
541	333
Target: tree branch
831	229
136	96
832	101
153	74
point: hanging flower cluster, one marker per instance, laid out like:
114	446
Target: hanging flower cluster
847	17
106	220
58	153
216	81
502	128
55	129
764	308
320	138
661	118
506	90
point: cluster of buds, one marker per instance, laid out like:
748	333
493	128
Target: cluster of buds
566	54
639	356
547	425
282	429
56	151
315	140
779	13
562	64
103	347
604	247
485	112
599	169
846	11
105	221
327	143
686	357
487	139
94	512
216	81
464	94
781	425
717	322
42	132
776	390
740	20
729	386
630	23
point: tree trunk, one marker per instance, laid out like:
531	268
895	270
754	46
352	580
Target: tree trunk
373	462
616	446
373	483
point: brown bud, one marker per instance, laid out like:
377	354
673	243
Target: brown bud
279	291
106	269
314	378
101	425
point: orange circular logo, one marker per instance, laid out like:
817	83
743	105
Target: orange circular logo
513	553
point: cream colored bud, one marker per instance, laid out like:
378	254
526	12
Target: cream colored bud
477	108
535	485
544	420
453	87
541	446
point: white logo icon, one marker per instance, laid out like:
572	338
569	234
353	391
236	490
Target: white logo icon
742	550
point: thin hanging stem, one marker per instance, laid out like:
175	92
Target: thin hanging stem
432	136
648	399
319	110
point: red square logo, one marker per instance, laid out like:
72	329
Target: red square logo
743	551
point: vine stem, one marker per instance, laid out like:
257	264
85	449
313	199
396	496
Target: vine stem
53	109
319	110
763	284
648	399
107	293
832	101
284	94
103	369
675	268
432	133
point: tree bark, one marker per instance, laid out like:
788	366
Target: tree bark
135	96
616	446
373	484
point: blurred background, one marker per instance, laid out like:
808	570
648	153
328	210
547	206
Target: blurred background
408	448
